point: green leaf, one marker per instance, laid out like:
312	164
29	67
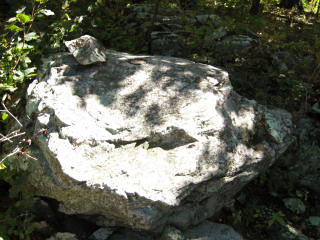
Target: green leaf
21	9
29	72
66	16
18	76
46	12
66	5
2	167
73	27
24	46
31	36
13	28
11	20
277	217
27	59
280	220
23	18
270	222
4	116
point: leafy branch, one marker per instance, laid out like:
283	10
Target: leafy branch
23	19
16	49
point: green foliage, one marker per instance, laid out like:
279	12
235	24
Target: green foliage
15	216
233	3
277	217
311	6
17	45
63	28
302	194
107	22
237	217
261	179
100	18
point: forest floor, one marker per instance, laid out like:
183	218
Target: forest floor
259	211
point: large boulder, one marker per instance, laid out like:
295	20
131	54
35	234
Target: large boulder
144	141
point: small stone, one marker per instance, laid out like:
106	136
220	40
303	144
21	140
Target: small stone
63	236
295	205
171	233
207	19
101	234
87	50
211	231
315	108
314	221
39	226
289	232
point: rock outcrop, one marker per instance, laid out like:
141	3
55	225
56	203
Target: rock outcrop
169	36
301	165
144	141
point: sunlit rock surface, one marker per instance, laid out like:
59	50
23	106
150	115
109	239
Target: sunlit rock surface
143	141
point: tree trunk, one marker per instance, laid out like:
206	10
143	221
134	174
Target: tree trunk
255	6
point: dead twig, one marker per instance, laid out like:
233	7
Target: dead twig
8	112
11	135
22	145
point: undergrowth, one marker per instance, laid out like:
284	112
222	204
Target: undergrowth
15	206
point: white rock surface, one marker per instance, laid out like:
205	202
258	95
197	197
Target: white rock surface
143	141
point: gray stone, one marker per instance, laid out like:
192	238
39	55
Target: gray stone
140	12
295	205
166	44
101	234
302	162
63	236
127	234
233	46
237	41
172	233
143	141
218	33
87	50
208	19
289	232
212	231
314	221
315	108
284	61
